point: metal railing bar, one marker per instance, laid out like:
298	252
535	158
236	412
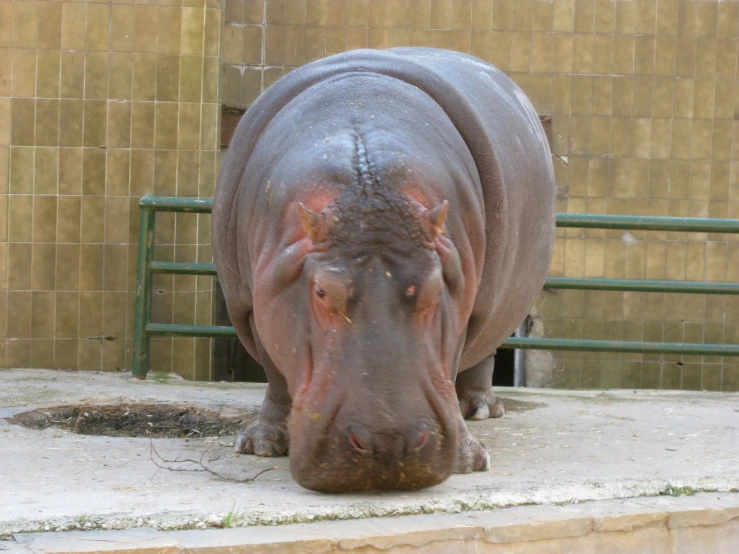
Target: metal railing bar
587	221
638	285
182	268
168	329
173	330
174	204
648	223
573	283
688	349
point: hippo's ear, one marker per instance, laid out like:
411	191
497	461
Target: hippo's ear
436	218
310	221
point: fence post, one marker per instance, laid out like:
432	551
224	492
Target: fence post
141	340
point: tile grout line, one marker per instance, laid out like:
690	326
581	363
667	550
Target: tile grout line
127	350
175	279
200	218
34	247
58	165
199	150
104	245
82	203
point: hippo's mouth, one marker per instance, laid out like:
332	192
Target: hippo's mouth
344	441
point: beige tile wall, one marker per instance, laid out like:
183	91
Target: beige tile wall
643	95
103	101
100	103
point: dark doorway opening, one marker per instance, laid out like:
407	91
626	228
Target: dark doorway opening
231	361
503	374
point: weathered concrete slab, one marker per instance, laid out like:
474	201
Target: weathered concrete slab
708	522
560	447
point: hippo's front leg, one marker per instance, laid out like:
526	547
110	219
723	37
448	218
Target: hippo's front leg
475	391
268	435
472	454
477	401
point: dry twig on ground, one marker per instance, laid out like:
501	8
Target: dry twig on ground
160	462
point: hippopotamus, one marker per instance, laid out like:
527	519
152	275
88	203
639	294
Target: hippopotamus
383	220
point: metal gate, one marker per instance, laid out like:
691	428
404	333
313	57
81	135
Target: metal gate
147	267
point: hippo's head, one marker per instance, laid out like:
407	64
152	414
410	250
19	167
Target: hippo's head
362	309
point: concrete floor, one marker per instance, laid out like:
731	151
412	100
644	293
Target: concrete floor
554	447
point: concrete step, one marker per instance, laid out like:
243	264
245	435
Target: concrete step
703	523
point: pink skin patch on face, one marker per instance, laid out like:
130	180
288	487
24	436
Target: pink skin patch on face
308	211
416	195
318	198
432	212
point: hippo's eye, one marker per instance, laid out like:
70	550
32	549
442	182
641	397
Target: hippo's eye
320	292
430	292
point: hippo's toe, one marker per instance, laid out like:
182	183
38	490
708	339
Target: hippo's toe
472	456
262	439
479	406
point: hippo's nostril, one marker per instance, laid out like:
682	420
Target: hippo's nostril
356	443
423	434
423	440
359	438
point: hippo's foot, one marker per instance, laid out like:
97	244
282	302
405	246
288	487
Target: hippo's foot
472	455
476	397
267	436
262	439
479	405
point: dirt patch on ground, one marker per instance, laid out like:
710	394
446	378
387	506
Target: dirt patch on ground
160	420
136	420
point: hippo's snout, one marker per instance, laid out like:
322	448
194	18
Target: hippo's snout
388	445
357	455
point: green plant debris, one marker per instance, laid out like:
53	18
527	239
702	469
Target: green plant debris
161	377
671	490
232	518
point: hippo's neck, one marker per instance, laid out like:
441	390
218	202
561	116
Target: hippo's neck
373	210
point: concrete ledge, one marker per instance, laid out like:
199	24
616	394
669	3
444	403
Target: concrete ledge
700	523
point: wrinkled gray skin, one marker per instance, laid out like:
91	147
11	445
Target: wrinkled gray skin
382	222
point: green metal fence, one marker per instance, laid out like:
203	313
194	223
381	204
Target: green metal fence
147	266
